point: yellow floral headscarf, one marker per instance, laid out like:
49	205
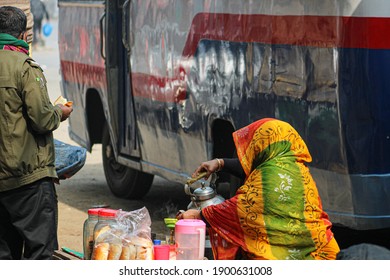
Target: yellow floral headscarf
277	213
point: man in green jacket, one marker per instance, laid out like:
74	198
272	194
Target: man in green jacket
25	6
28	202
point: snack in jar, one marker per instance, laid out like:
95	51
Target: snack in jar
123	236
89	225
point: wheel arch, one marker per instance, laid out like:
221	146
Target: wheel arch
222	139
95	116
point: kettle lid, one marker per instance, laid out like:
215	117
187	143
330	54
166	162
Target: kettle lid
204	193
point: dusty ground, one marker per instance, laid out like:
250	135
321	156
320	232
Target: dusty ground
88	187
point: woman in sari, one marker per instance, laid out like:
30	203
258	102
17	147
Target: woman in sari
277	212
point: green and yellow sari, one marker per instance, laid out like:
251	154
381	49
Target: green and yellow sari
277	213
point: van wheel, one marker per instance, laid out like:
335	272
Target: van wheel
124	182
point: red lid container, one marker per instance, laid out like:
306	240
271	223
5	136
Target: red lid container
106	212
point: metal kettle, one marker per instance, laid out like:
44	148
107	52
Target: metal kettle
205	195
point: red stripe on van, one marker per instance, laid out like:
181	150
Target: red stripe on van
315	31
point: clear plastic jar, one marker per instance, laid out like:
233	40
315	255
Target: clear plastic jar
107	217
106	235
88	228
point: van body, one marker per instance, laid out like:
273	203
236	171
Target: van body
163	84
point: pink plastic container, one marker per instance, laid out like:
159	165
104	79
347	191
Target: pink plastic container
161	252
190	236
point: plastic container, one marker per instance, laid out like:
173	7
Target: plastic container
107	217
190	236
88	228
170	224
161	252
170	238
156	242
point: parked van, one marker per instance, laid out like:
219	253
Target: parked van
163	84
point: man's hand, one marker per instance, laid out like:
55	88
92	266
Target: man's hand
66	110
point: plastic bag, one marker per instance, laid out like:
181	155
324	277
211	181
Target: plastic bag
69	159
128	239
136	222
47	29
364	251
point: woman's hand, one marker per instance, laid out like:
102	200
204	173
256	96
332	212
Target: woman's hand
209	167
189	214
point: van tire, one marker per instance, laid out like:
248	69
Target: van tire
123	181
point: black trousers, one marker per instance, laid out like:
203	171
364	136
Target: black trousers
37	28
28	221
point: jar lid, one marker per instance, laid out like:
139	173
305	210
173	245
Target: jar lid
106	212
170	222
94	211
189	226
156	242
